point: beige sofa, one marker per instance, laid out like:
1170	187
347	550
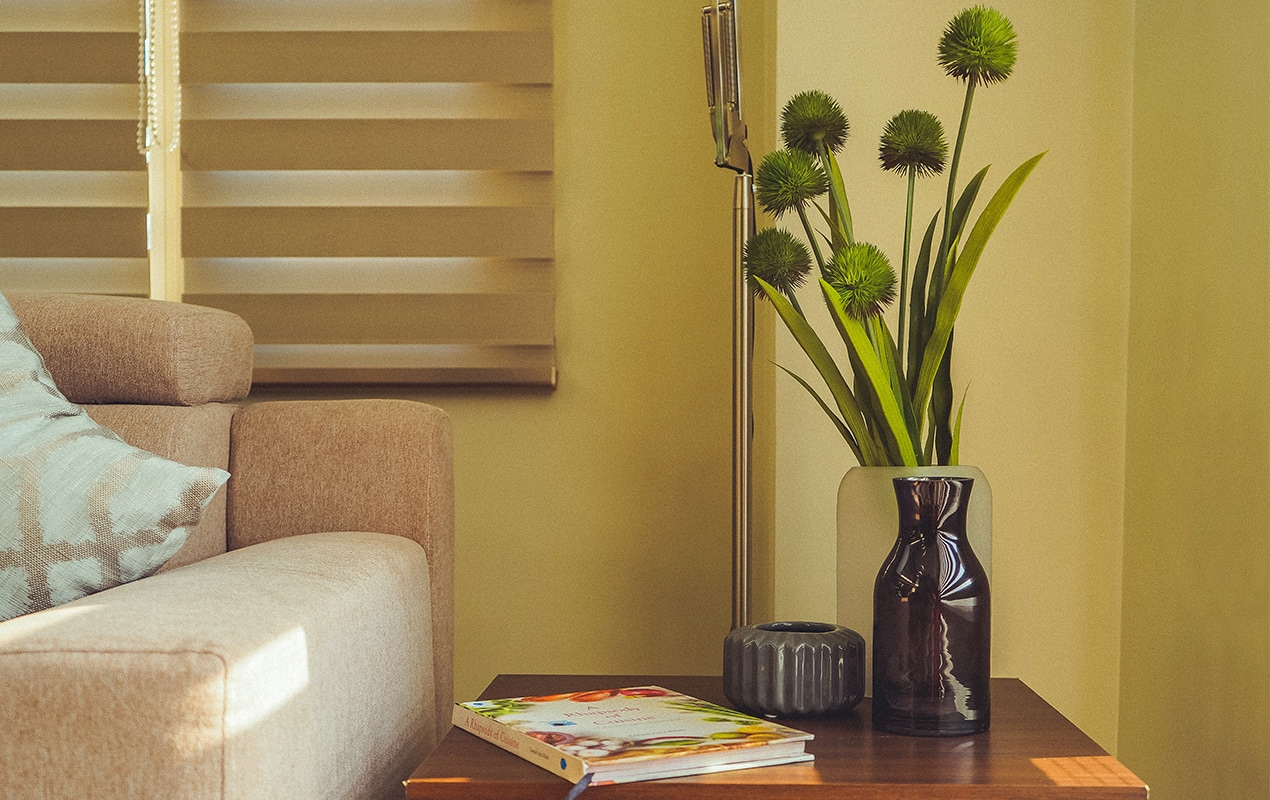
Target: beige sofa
300	644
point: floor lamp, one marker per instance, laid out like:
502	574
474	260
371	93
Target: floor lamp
723	93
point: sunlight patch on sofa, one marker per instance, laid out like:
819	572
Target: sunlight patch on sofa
266	680
15	630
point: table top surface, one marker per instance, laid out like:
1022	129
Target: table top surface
1031	752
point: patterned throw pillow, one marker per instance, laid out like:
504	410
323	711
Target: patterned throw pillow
80	510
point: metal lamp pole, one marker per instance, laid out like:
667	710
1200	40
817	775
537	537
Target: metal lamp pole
723	92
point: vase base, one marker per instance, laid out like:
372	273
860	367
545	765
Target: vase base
907	726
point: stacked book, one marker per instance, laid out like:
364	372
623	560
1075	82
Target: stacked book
633	734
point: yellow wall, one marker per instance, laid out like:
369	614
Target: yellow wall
594	521
1195	680
1116	343
1042	334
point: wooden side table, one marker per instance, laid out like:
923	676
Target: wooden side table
1031	752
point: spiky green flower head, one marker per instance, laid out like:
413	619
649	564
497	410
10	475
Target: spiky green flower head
914	140
778	258
979	45
863	278
786	179
813	117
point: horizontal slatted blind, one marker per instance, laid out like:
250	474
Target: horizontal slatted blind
369	184
72	184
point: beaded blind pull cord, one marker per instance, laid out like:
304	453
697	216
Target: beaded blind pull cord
149	124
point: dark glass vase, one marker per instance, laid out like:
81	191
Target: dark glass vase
931	618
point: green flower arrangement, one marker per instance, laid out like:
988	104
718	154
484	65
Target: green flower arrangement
897	409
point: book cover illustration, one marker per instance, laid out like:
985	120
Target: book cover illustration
617	729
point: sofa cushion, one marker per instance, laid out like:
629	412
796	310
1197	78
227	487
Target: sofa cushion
294	668
194	435
80	510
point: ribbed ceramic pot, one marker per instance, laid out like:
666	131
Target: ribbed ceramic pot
793	669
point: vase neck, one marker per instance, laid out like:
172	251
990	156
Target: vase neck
930	505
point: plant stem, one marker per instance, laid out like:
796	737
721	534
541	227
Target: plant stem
908	234
793	301
941	395
945	243
811	236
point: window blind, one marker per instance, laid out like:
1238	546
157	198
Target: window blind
73	192
369	184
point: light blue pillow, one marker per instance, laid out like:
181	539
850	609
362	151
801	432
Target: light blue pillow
80	509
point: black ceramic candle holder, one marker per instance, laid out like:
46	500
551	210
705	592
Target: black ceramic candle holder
793	669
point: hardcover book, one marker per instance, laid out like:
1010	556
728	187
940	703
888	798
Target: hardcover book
634	734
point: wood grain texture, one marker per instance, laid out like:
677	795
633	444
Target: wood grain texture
366	56
490	319
68	57
1031	752
70	144
69	232
368	231
517	145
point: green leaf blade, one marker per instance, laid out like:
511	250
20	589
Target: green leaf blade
857	338
837	421
829	372
954	292
917	305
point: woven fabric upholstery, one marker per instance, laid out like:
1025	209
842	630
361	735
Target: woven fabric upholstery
167	353
287	670
301	663
194	435
80	510
305	466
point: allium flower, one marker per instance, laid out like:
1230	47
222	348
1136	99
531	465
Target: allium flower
786	179
914	140
813	117
979	45
778	258
863	278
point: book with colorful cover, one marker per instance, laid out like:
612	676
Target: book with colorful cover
633	734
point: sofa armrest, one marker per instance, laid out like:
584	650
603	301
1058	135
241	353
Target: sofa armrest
296	668
352	465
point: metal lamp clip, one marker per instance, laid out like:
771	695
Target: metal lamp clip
723	85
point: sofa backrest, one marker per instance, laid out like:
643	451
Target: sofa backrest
129	350
163	376
194	435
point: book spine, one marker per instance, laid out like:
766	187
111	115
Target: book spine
552	759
